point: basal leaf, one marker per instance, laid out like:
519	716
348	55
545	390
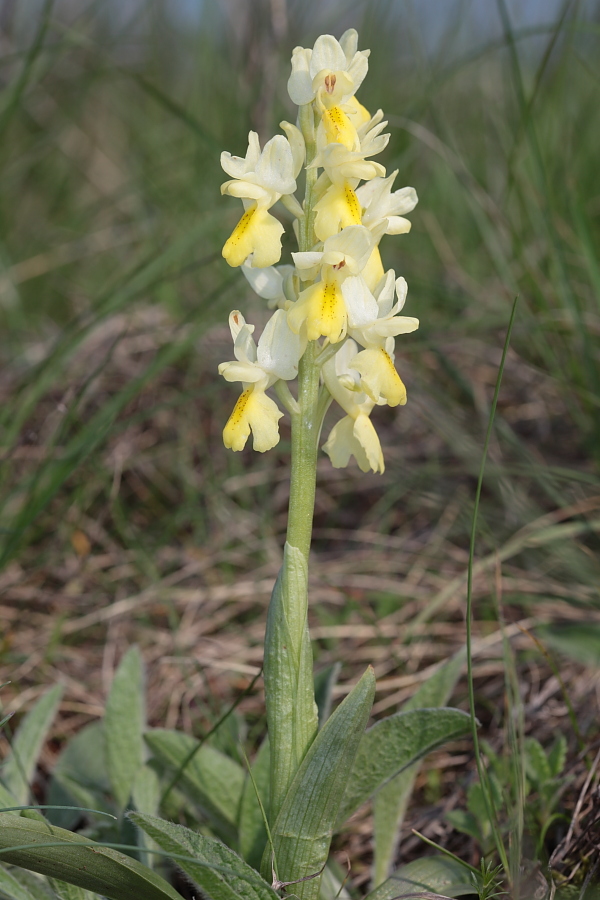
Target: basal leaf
325	681
303	829
438	874
253	834
73	858
29	738
10	887
80	776
389	806
393	744
146	799
66	891
7	800
213	780
124	722
37	885
217	870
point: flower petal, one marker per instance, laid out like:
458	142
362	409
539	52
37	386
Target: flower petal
337	208
349	43
240	371
257	412
379	378
297	145
268	282
275	167
338	129
323	309
257	232
327	54
365	434
398	225
360	303
300	81
279	347
373	272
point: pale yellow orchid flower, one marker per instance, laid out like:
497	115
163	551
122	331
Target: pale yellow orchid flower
260	179
354	435
322	306
258	368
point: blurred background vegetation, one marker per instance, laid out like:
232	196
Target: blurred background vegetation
122	516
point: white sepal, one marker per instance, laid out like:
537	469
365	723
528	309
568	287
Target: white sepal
300	81
360	303
279	349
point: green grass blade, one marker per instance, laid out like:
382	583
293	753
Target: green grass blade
469	614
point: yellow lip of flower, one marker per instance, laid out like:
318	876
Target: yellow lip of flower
323	308
357	111
379	378
373	272
355	435
255	412
339	129
257	232
338	208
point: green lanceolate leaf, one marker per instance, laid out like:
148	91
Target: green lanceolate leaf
303	829
291	710
29	738
213	780
72	858
66	891
389	806
80	777
7	800
217	870
325	681
124	722
253	834
37	885
146	799
438	874
146	791
393	744
12	888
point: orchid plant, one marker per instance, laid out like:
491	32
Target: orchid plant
336	314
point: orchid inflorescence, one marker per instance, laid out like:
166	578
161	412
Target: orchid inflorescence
337	292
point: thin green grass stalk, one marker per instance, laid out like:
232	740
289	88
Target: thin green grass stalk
263	813
446	852
516	742
205	737
98	812
489	801
31	56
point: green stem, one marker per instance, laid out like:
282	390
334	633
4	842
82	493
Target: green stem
304	453
305	425
289	691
